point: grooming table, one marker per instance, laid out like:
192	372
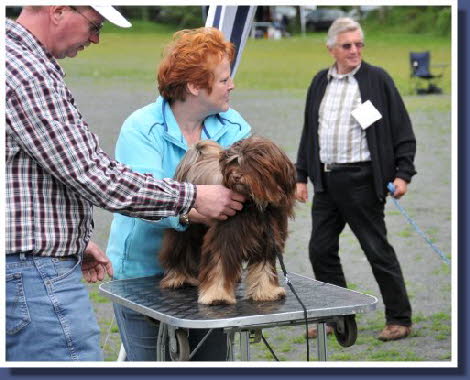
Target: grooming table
178	309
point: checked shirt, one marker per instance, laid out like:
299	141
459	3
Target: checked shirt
55	170
342	139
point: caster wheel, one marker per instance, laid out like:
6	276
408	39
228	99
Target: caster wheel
346	331
181	351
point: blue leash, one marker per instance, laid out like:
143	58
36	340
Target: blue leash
391	189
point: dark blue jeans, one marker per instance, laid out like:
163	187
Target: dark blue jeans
350	198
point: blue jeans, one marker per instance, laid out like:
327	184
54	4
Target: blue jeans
139	338
49	316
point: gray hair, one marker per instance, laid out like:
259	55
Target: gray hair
342	25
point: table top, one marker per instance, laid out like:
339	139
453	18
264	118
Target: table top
179	307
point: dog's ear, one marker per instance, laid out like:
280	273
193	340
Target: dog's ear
205	172
230	156
261	168
208	148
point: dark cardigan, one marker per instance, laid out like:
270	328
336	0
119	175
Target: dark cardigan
391	140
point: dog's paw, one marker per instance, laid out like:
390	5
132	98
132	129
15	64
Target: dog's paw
216	298
170	283
274	294
174	280
193	281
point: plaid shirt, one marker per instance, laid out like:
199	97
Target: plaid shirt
55	170
342	139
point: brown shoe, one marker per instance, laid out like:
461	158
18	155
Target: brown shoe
394	332
312	331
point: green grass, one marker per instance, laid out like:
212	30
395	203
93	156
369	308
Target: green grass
444	268
352	286
394	355
341	357
405	233
286	65
140	27
298	339
440	317
95	297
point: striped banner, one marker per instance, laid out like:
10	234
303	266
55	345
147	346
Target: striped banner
235	23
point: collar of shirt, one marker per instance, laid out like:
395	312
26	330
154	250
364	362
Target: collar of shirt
28	41
333	73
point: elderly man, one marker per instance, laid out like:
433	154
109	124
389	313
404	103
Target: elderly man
55	173
357	137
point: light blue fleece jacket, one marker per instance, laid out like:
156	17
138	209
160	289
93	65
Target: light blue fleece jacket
151	142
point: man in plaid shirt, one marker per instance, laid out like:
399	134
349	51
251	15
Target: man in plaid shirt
55	173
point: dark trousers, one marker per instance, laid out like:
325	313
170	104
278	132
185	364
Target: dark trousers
350	198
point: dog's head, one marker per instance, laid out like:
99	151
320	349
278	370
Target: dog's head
261	171
200	164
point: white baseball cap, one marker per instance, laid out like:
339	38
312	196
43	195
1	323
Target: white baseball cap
113	15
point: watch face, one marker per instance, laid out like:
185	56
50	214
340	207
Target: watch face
184	219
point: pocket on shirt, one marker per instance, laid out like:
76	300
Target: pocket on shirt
17	312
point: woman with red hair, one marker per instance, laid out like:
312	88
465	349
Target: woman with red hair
194	84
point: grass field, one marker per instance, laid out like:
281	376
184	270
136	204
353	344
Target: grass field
287	64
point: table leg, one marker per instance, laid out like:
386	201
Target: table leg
245	345
321	342
230	344
161	342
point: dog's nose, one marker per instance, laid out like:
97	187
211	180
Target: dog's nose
236	177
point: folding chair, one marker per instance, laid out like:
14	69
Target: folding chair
420	72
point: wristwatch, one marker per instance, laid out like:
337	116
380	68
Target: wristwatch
184	219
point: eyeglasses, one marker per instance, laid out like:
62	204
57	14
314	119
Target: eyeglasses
93	27
359	45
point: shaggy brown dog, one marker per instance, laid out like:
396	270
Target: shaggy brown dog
212	257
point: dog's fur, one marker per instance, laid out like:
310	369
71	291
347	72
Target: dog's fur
211	257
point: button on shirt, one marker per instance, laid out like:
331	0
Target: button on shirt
54	168
342	140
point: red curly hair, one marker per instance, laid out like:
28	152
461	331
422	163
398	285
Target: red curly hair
191	58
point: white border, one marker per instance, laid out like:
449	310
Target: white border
291	364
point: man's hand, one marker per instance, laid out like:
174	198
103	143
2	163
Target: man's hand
217	202
196	218
400	187
95	263
301	192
